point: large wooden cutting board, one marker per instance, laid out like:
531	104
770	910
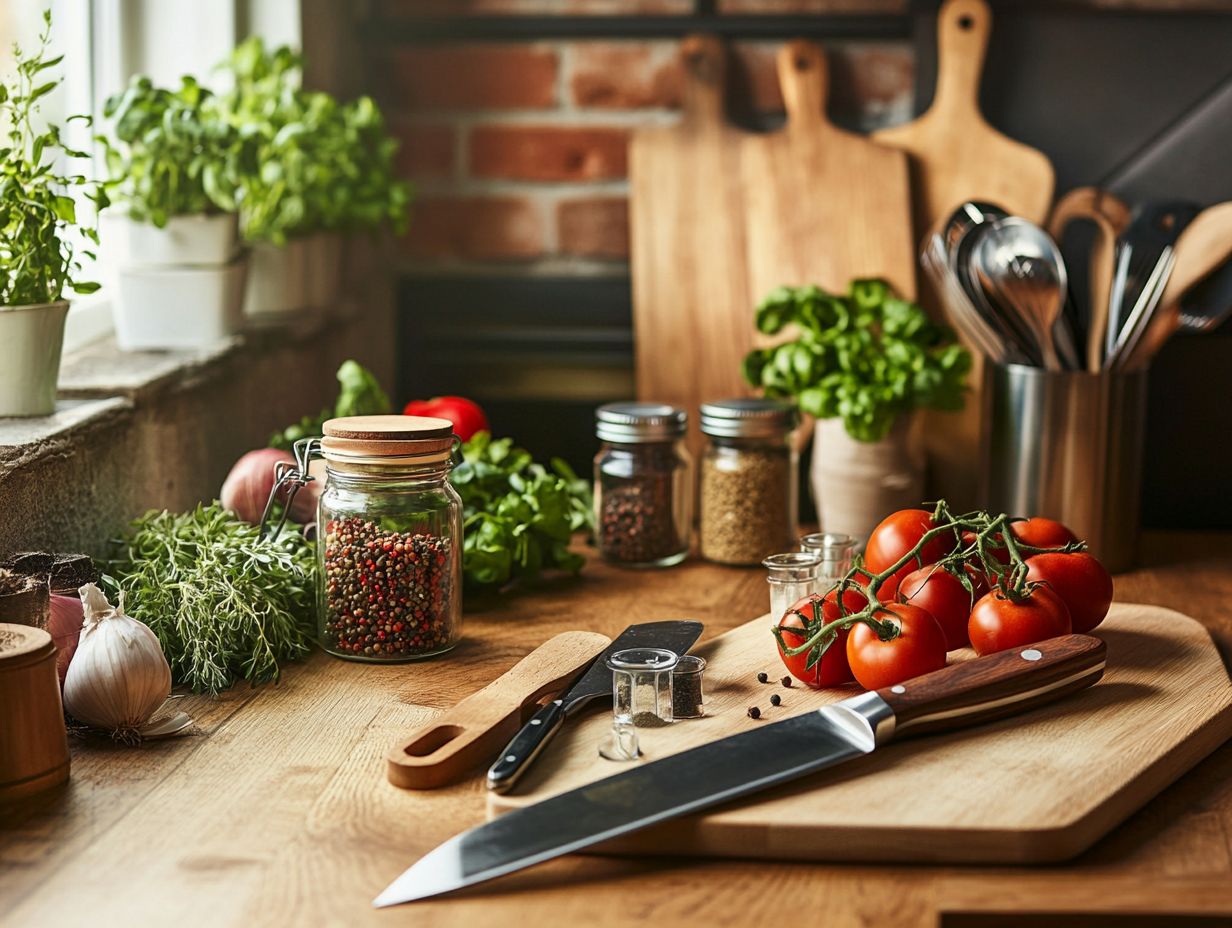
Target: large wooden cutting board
957	156
823	205
692	318
1039	787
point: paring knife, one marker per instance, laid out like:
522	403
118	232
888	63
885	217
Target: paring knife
595	684
959	695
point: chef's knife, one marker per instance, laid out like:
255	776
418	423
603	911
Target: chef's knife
595	684
962	694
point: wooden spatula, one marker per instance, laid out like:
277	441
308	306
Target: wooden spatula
692	318
472	733
823	205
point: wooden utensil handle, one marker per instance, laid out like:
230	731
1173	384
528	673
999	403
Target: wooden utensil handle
995	686
525	746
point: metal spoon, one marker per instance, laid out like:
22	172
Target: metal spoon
1020	262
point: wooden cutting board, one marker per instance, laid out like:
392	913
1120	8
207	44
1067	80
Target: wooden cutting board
1037	787
692	319
823	205
957	156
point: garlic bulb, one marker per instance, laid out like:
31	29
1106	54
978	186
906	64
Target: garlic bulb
119	677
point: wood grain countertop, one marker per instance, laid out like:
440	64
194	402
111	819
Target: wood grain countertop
278	811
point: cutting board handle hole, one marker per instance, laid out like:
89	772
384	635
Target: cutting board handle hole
432	741
802	63
965	22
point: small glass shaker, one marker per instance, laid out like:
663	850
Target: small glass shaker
836	552
792	576
642	686
687	696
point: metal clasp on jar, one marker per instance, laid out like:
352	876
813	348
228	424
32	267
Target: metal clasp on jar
293	477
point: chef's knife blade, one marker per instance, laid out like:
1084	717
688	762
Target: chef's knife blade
961	694
595	684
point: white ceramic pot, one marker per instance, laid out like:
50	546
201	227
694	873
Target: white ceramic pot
31	338
856	484
324	272
277	279
181	307
184	240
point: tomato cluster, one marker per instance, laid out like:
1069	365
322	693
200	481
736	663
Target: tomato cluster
940	586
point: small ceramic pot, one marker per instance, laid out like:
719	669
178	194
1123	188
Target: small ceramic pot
184	240
31	338
178	307
277	279
323	280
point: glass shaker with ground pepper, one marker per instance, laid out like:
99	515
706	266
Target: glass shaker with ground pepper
748	480
389	542
643	484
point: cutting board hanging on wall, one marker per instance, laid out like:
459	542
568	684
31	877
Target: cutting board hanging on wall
1041	786
957	156
692	319
823	205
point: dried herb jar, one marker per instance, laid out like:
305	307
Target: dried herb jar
389	543
643	484
749	480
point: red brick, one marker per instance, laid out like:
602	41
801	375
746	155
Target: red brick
477	228
426	151
597	227
862	75
476	76
548	152
770	7
626	75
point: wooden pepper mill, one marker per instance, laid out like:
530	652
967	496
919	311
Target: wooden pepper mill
33	742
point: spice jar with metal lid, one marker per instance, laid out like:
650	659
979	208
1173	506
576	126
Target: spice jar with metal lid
748	480
643	484
389	537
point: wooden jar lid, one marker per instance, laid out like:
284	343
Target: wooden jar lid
22	645
375	437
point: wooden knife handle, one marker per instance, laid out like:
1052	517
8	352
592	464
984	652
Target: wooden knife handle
470	734
995	686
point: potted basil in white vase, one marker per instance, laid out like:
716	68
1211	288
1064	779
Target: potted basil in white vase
38	221
863	364
172	158
321	171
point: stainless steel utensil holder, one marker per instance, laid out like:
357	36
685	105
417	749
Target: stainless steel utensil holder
1067	445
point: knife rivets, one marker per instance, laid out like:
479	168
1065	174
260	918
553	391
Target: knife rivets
1031	654
510	758
898	688
558	702
536	721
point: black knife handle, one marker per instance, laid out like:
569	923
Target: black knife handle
992	687
525	746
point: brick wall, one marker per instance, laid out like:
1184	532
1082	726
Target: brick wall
518	148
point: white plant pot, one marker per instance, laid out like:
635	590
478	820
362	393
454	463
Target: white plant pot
277	279
182	307
856	484
184	240
31	338
324	272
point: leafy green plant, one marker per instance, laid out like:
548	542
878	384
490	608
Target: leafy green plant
170	152
224	603
359	394
37	259
518	516
867	357
315	164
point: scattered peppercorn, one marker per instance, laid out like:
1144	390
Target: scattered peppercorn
763	677
388	594
776	700
754	712
787	682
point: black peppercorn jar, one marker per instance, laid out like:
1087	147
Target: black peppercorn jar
389	542
643	484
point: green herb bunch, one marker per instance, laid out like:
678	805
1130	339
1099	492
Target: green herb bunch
170	152
314	164
224	603
37	259
519	516
867	357
359	394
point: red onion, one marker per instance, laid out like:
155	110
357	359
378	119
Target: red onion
64	626
247	488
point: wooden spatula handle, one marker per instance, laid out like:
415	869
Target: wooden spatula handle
995	686
471	733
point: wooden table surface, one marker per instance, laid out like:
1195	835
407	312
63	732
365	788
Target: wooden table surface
277	812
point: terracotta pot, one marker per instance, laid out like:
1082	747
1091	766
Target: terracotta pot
856	484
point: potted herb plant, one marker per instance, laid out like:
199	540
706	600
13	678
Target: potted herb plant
319	170
171	158
38	260
863	364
